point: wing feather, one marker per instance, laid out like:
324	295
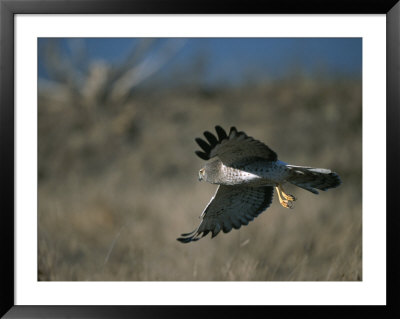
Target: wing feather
203	144
210	138
231	207
221	133
215	231
233	147
202	155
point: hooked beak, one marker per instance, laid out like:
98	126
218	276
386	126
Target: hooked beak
201	172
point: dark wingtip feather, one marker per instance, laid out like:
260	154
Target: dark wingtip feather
226	228
184	240
203	144
237	226
215	231
211	138
205	232
187	238
193	236
189	234
221	133
202	155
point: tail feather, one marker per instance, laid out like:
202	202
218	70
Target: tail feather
311	179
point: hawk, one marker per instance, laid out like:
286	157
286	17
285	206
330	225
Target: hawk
246	172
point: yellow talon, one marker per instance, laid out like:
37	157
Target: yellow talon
287	200
288	197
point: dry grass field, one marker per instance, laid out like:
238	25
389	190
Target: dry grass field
118	183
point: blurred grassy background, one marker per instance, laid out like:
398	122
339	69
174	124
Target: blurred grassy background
118	174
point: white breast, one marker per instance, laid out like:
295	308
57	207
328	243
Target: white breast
257	173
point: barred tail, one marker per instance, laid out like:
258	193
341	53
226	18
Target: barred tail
312	179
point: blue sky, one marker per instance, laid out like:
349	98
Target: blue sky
233	60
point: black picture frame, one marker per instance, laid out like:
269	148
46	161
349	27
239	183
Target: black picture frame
8	10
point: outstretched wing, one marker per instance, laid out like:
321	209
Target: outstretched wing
232	148
231	206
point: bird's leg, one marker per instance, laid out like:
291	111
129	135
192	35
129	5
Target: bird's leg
284	202
287	200
286	196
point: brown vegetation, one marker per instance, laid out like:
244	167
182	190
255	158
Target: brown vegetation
118	183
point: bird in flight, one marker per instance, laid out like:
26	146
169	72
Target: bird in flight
246	172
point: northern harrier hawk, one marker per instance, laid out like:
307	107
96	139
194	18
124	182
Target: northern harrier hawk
247	171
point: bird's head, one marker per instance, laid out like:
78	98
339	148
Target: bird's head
210	172
202	174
